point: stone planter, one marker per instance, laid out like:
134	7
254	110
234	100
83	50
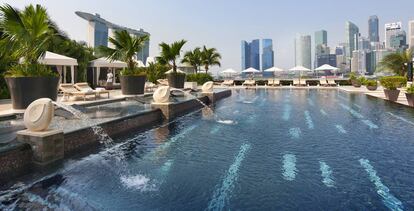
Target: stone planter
372	88
391	95
410	99
25	90
132	85
176	80
356	83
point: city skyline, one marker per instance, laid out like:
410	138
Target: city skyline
213	25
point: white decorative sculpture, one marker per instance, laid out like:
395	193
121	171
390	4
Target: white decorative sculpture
207	86
162	94
39	114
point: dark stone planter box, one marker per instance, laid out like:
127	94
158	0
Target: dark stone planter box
356	83
391	95
176	80
25	90
132	85
372	88
410	99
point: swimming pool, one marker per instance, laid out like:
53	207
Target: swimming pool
284	149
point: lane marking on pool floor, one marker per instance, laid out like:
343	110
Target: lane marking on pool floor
340	129
346	99
220	196
286	112
295	132
326	174
358	115
289	167
323	112
370	124
308	120
215	129
401	118
388	199
310	102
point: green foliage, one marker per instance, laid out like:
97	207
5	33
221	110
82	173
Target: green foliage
370	83
200	78
156	71
126	46
393	82
410	89
170	53
30	70
352	76
362	79
396	62
193	58
137	71
210	57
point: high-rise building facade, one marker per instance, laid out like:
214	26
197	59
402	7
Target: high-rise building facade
411	34
267	54
373	29
391	29
303	55
99	30
250	54
398	41
351	38
321	37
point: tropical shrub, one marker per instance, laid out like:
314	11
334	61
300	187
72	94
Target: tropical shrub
352	76
393	82
26	34
362	79
396	62
410	89
200	78
193	58
210	57
156	71
370	83
126	47
170	53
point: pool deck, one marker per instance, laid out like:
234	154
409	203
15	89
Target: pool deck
379	93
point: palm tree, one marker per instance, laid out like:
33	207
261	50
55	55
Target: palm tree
210	57
397	61
170	53
26	34
193	58
126	46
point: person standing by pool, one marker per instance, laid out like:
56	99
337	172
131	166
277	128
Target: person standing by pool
109	80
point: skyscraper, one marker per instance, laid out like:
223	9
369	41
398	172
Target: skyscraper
398	41
321	37
351	38
267	54
303	55
373	29
100	29
411	33
250	54
391	29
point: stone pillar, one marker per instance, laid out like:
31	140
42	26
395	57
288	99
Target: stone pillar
166	109
47	146
211	97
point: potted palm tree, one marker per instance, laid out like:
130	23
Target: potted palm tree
193	58
169	55
27	34
210	57
410	95
371	85
396	62
132	78
391	85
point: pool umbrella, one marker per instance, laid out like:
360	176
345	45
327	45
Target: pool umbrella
327	67
171	71
300	69
251	70
274	70
229	72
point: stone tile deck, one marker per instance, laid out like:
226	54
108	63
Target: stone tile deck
379	93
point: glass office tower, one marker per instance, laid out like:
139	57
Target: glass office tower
303	55
351	38
267	54
373	29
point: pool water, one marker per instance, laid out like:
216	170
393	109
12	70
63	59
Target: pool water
282	150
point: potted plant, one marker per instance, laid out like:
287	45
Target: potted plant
27	34
169	55
371	85
132	78
390	84
410	95
354	80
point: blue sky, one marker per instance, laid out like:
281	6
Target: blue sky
224	23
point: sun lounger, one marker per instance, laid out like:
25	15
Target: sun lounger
276	82
323	82
249	82
69	90
84	87
227	83
331	82
302	82
149	86
163	82
296	82
270	82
